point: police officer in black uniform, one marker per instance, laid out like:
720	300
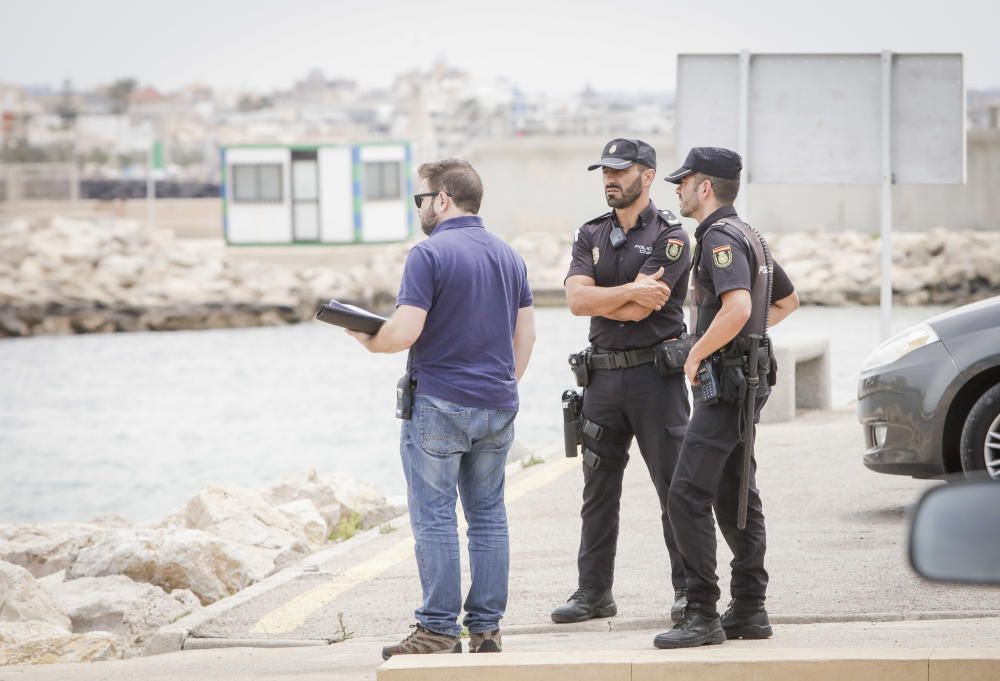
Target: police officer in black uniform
738	291
629	273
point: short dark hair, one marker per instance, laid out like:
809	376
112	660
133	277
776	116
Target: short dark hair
725	190
458	178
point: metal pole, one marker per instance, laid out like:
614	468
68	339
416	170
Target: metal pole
744	133
150	189
886	292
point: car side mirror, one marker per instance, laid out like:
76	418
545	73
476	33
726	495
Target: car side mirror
955	534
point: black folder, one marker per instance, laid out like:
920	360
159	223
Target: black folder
349	317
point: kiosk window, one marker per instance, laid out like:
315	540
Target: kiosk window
257	183
382	180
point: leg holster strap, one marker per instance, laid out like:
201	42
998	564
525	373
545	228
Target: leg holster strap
599	463
597	432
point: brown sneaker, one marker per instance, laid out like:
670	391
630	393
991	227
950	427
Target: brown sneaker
485	642
422	642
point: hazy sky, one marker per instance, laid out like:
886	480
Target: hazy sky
543	46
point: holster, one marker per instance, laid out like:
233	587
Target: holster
572	406
405	387
579	364
731	366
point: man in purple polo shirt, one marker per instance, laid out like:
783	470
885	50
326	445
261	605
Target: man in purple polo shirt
466	309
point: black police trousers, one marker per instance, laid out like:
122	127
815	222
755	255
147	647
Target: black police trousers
708	476
634	401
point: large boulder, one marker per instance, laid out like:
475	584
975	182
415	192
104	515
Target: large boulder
241	516
13	633
23	600
336	496
42	643
209	566
307	520
14	241
132	610
119	271
45	549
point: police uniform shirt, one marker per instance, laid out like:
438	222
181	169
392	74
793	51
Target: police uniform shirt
652	243
724	263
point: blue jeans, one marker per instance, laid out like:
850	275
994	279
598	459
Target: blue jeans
449	450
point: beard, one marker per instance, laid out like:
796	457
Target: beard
428	222
628	194
688	206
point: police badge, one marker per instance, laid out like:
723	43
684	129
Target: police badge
596	253
674	249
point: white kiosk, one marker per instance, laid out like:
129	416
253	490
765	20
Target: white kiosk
316	194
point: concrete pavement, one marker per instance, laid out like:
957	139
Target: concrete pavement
839	577
824	648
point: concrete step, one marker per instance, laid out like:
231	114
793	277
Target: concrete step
719	663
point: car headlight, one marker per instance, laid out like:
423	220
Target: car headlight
901	345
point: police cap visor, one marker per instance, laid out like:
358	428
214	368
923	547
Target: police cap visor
623	153
713	161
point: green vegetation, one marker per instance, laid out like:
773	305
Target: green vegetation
529	461
386	528
465	633
347	527
342	629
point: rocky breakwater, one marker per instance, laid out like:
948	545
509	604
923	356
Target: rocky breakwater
72	276
61	276
935	267
76	592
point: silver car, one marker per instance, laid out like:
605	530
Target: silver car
929	398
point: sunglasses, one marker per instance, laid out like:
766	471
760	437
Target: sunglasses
419	198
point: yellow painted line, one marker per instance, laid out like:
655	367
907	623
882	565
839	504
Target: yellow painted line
293	614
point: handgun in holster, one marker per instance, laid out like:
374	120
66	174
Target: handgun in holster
572	406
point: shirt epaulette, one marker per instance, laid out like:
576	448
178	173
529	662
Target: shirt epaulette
599	218
671	219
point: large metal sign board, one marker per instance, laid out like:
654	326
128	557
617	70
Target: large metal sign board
819	118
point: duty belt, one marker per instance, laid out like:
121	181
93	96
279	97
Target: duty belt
621	359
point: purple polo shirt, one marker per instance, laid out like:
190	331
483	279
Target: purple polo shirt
472	284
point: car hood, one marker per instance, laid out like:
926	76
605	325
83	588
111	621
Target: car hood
970	318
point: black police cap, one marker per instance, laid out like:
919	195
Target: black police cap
622	153
714	161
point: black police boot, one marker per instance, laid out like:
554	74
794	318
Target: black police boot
746	619
696	628
680	602
584	605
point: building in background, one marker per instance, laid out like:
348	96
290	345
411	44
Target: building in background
317	194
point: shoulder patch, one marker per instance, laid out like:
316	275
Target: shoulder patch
596	254
671	219
674	249
722	256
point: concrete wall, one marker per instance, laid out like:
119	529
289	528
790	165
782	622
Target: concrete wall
542	184
188	218
974	205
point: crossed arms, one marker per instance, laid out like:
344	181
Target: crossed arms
630	302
